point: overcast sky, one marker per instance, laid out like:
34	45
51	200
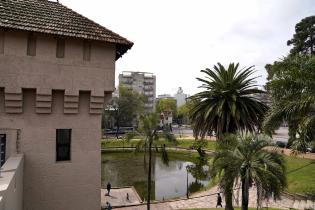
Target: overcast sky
175	39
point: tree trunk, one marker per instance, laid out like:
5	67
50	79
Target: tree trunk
229	200
149	175
228	194
245	194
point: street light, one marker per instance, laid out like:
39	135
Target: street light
187	193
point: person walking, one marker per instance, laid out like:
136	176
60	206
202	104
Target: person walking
108	206
219	201
108	187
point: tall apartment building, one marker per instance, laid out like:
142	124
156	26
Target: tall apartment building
57	69
142	82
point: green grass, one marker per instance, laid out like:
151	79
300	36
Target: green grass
300	175
185	143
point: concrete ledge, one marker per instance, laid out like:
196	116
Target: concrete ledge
11	183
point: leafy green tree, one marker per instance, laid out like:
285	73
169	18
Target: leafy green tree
292	89
166	104
125	109
303	40
243	161
148	132
183	112
228	103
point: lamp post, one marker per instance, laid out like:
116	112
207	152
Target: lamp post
187	193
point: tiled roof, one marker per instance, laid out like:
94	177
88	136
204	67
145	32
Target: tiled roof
48	17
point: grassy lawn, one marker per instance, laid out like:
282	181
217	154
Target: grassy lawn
185	143
300	175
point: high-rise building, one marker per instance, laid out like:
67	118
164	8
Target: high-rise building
57	69
142	82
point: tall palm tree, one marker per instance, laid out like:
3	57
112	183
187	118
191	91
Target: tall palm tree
242	160
228	103
148	131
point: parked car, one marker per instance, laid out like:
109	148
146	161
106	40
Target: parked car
121	130
310	149
281	144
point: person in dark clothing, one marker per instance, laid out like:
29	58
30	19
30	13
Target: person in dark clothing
108	206
108	187
219	201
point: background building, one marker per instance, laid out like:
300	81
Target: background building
162	96
57	71
142	82
180	97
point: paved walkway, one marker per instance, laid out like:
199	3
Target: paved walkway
159	206
207	199
210	201
118	197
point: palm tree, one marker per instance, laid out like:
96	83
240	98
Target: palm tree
243	159
148	131
228	103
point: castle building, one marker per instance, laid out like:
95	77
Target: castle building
57	69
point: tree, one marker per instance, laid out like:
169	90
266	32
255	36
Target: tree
303	40
228	104
148	131
243	161
125	109
183	112
166	104
292	88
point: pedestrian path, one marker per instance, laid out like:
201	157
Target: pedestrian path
118	197
208	198
158	206
201	200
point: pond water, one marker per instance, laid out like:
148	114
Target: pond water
168	181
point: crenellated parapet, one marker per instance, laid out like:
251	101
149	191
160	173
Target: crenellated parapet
71	102
43	101
14	101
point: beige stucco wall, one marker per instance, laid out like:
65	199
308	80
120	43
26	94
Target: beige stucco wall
51	185
46	71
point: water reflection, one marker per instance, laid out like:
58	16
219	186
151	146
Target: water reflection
200	172
169	181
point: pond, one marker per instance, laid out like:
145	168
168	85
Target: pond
168	180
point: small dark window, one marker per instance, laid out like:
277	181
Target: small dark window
60	51
86	50
31	45
63	144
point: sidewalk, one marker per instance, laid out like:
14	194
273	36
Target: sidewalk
118	197
208	198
